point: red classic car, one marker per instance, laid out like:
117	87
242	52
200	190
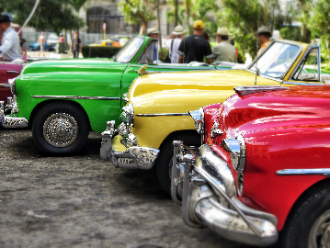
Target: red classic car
7	71
262	173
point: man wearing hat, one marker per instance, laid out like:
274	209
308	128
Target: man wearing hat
153	49
223	51
10	48
195	47
173	51
263	35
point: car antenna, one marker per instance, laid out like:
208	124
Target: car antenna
257	74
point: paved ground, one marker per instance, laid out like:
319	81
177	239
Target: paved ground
83	201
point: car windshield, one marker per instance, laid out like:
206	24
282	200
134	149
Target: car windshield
277	60
98	42
127	53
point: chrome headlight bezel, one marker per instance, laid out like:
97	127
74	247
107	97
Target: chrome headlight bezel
127	116
12	83
199	119
236	148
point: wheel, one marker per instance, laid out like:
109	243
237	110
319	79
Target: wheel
60	128
164	160
310	225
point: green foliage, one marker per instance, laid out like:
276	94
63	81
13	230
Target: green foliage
319	23
290	33
50	14
137	10
77	4
163	52
99	52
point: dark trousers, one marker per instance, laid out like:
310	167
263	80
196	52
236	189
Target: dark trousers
75	54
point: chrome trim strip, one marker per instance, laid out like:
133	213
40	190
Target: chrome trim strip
77	97
309	84
202	68
162	114
247	90
14	72
288	172
4	86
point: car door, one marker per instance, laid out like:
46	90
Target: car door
7	71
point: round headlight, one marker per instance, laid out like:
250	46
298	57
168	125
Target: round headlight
198	117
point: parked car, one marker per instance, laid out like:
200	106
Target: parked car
7	71
157	106
102	43
63	99
49	44
262	173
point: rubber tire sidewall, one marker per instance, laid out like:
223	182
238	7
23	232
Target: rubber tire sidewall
296	231
60	107
165	156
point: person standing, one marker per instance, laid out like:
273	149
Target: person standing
173	51
76	45
41	44
10	48
263	35
195	47
154	34
223	51
61	39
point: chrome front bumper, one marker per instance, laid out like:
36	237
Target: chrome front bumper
133	157
11	121
208	200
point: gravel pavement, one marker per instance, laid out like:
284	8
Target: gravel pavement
83	201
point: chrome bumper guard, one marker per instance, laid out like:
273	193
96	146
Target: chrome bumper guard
208	200
11	122
134	157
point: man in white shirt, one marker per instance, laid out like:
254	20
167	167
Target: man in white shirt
10	48
174	47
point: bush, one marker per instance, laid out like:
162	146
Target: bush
99	52
163	53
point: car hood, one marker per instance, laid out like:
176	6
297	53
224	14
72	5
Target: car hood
304	106
198	80
70	65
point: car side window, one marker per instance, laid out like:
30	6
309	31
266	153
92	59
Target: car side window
308	69
150	54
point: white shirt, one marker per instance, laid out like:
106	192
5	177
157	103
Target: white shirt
174	51
10	48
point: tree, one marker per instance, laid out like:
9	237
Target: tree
136	11
244	17
305	7
77	4
50	14
319	24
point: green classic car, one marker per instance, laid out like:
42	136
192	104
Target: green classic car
63	100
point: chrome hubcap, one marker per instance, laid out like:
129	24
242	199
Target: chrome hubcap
60	130
319	236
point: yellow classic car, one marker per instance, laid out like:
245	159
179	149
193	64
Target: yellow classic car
157	106
103	43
